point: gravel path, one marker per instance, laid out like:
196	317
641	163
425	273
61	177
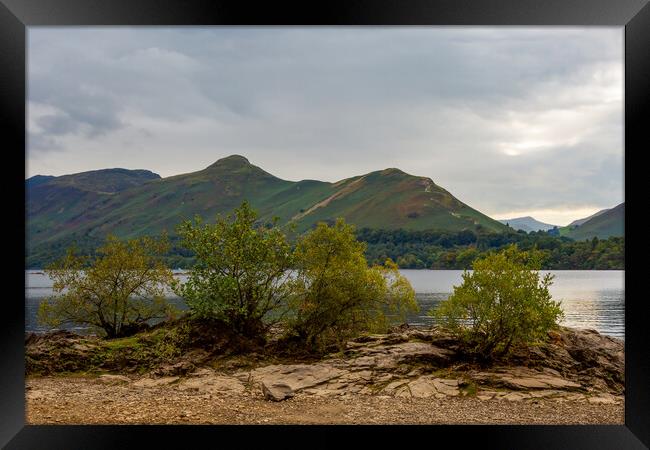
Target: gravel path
70	400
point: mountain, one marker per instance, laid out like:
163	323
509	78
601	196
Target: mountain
575	223
87	206
37	179
527	224
609	223
64	202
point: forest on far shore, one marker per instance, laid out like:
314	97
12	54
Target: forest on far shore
418	249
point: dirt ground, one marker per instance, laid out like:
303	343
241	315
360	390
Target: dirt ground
79	400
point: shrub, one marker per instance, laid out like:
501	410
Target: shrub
503	302
118	292
240	271
335	295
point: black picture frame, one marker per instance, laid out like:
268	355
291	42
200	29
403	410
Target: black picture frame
16	15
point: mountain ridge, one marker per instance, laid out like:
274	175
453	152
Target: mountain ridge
527	224
578	222
140	203
604	225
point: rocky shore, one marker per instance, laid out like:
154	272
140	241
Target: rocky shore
409	375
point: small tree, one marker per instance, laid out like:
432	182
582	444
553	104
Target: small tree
240	273
118	292
502	303
336	295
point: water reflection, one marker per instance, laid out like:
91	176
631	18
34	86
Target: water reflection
590	299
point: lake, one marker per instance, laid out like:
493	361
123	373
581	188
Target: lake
590	298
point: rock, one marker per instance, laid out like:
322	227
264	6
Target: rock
114	379
485	395
395	339
558	382
524	383
214	384
514	397
447	387
155	382
422	388
602	400
523	378
403	392
296	376
276	391
420	352
180	368
391	388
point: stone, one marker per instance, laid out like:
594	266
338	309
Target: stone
214	384
392	387
513	397
154	382
443	387
557	382
602	400
422	388
114	379
276	391
525	383
296	376
403	392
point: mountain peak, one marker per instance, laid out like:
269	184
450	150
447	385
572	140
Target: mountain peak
392	171
230	161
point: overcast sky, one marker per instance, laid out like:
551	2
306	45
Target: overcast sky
512	121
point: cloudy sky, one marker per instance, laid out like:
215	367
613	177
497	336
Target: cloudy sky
512	121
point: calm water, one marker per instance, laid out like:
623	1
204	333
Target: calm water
590	298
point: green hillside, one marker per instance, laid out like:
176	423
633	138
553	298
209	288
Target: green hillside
84	207
602	226
66	202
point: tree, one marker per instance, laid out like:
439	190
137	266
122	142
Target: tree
240	271
502	303
118	292
335	293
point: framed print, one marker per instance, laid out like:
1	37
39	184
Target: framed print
299	217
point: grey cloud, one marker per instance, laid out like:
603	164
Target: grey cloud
329	103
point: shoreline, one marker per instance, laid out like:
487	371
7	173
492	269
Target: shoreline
409	375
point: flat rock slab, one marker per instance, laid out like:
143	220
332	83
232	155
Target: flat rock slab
282	381
214	384
521	378
423	387
388	357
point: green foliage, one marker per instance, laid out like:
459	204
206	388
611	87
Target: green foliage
240	275
335	293
503	302
143	351
118	292
457	250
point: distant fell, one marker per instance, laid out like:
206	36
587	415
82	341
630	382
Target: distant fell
527	224
609	223
578	222
37	179
136	203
